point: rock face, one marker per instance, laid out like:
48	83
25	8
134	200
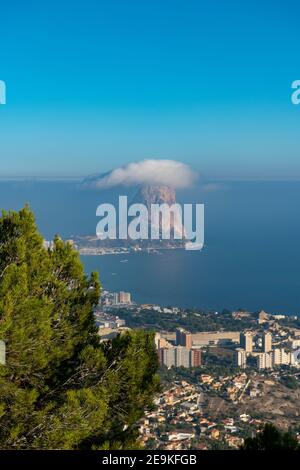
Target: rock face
160	194
152	194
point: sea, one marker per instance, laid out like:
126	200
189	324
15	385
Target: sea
250	260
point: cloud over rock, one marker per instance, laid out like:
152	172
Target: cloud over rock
157	172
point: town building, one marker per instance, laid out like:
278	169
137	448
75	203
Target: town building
246	341
183	338
179	356
294	343
240	358
124	298
206	338
276	357
281	357
262	317
267	342
264	361
196	358
168	357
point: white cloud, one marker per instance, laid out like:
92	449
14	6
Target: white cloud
160	172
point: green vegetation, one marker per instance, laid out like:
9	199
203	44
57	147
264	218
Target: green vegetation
214	357
290	381
192	320
169	376
291	322
191	375
271	438
59	388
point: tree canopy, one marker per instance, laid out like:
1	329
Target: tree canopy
271	438
60	388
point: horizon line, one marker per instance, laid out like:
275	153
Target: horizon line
204	180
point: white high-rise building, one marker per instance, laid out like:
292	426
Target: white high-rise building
169	357
264	361
246	341
267	342
177	356
124	297
183	357
241	358
281	357
276	357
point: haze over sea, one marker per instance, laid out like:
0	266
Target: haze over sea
251	257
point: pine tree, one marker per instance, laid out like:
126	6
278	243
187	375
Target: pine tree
59	388
271	438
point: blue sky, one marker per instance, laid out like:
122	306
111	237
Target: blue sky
96	84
